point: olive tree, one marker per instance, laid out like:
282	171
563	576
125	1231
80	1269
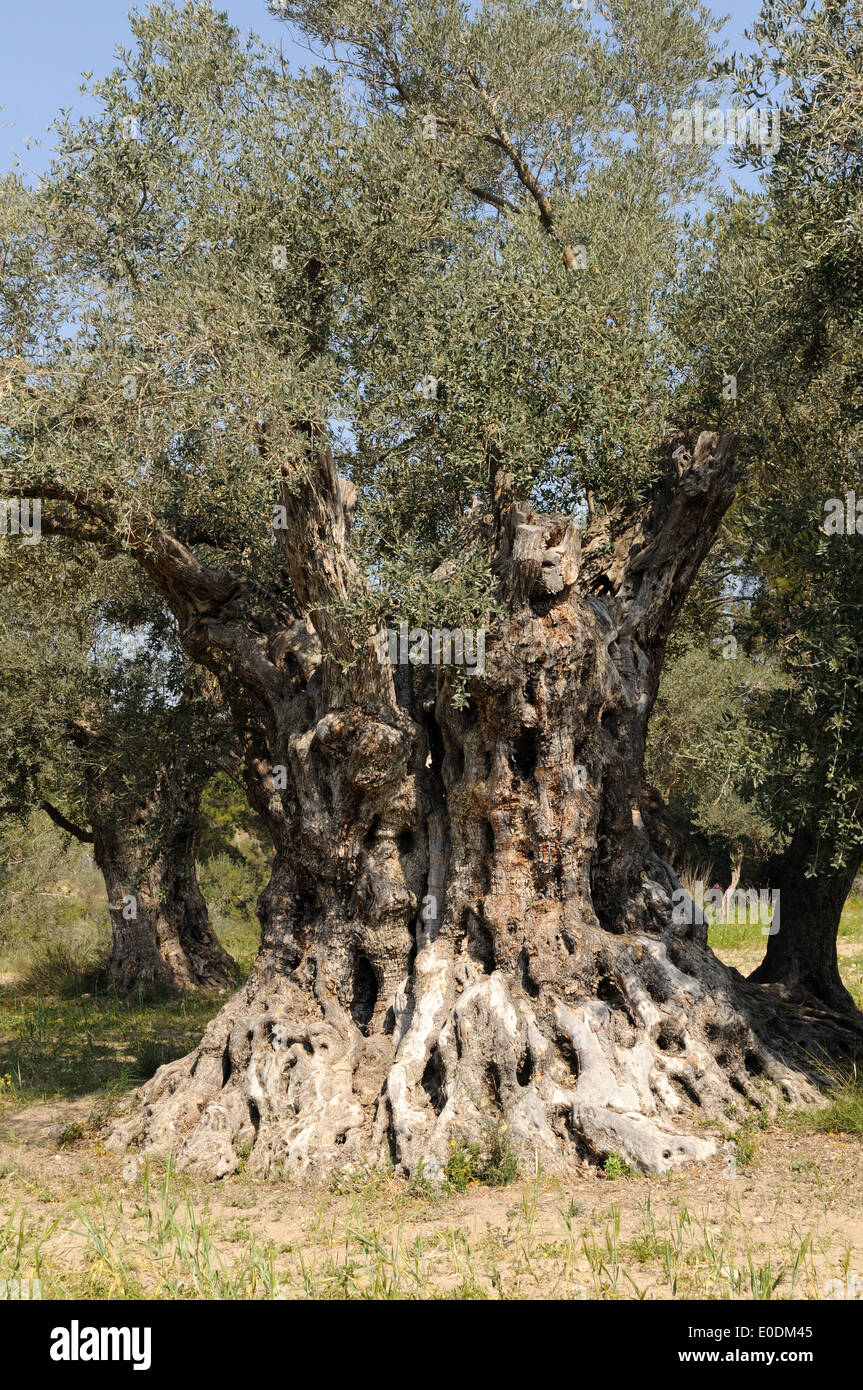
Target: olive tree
370	370
109	732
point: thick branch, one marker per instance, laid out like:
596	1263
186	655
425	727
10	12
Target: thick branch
657	557
65	824
500	139
318	506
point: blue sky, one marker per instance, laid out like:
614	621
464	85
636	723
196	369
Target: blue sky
47	45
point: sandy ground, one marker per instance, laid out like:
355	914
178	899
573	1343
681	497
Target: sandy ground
789	1223
792	1221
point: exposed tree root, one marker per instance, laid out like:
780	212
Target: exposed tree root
637	1072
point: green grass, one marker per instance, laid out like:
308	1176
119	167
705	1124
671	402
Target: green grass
745	1143
59	1048
62	1033
844	1114
850	933
851	926
735	936
241	940
159	1238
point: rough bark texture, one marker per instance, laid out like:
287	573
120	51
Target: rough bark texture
162	936
466	919
801	960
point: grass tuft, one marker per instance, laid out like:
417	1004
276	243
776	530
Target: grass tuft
844	1114
494	1166
152	1054
66	969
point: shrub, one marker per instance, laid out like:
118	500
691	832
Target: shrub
71	1134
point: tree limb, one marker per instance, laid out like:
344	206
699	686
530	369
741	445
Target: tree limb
65	824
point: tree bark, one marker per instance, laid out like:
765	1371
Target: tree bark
801	957
466	920
161	932
135	961
184	932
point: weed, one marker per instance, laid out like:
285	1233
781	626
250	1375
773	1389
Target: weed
844	1114
494	1166
615	1167
71	1134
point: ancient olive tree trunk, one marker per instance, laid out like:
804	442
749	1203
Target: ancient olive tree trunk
136	961
801	958
161	931
466	920
187	941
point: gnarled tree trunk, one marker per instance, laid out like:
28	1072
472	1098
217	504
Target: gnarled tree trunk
162	935
136	961
185	935
161	932
466	919
801	959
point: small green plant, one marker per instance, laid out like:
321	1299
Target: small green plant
363	1181
468	1291
500	1167
497	1166
571	1210
615	1167
460	1165
71	1134
646	1248
746	1144
420	1184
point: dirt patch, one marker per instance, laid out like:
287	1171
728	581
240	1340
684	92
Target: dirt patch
783	1226
41	1125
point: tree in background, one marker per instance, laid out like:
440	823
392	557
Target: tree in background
698	757
116	748
779	306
